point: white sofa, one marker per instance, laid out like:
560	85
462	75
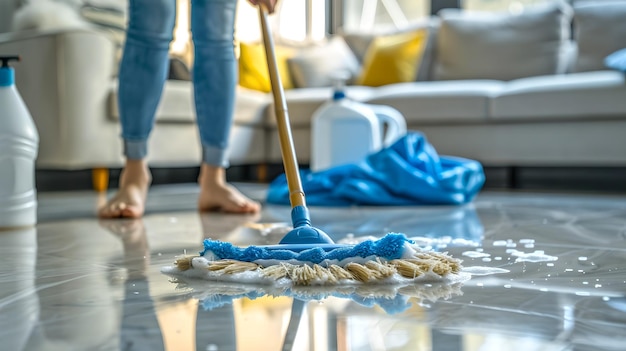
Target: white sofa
550	103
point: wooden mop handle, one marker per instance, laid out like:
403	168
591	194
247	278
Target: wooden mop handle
290	163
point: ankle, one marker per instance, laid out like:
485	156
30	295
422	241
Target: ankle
135	172
211	176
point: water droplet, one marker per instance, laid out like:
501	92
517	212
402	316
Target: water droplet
479	284
598	286
499	243
527	241
550	264
498	258
529	246
507	286
477	270
159	254
569	270
486	259
136	292
543	289
537	256
606	298
582	258
583	293
585	283
474	254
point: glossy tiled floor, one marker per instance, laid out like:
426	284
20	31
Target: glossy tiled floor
549	274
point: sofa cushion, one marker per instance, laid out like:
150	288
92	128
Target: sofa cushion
503	46
587	95
393	59
439	102
177	106
176	103
253	71
302	103
599	29
316	66
359	43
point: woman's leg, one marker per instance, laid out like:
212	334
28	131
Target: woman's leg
215	79
143	72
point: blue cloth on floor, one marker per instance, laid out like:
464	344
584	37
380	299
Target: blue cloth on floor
617	60
409	172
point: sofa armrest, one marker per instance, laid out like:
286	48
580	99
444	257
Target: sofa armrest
65	78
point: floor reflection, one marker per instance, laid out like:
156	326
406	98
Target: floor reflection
177	325
83	284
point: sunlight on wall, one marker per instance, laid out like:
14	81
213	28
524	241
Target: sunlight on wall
512	6
247	26
292	20
182	36
288	24
374	15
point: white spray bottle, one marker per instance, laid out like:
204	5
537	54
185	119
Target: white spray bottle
346	131
19	145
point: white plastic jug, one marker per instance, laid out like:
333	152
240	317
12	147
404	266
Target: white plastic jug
19	144
346	131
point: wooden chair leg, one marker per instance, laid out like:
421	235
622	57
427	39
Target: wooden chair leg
261	173
100	179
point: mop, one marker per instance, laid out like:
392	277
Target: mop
306	256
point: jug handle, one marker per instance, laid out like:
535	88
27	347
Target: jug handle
396	125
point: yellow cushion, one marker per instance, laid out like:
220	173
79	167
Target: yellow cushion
253	72
393	58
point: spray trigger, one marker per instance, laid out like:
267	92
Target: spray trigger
6	59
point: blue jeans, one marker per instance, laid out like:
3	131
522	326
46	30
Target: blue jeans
145	65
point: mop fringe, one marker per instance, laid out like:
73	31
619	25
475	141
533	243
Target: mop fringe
424	265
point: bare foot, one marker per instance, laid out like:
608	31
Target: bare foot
217	195
130	199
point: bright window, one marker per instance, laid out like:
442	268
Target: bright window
513	6
372	15
294	21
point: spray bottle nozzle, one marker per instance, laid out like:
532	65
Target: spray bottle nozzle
6	59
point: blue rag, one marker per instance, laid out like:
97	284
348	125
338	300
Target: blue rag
617	60
409	172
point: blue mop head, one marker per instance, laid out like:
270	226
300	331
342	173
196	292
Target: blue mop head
390	247
392	259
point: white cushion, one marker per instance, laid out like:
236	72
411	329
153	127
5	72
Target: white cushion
599	29
503	46
250	107
588	95
439	102
177	104
315	66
